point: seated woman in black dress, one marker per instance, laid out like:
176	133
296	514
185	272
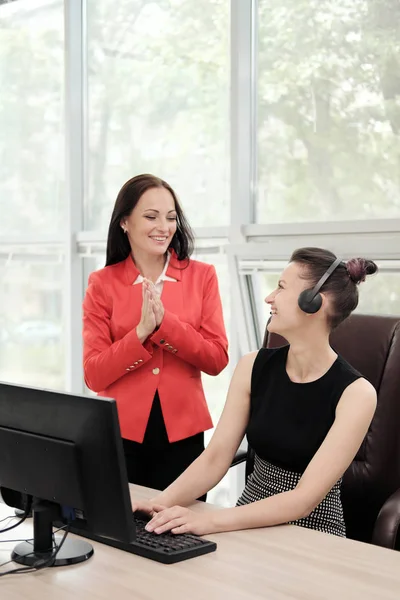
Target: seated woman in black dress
304	409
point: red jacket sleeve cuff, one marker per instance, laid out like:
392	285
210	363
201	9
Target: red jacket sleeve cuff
141	352
160	336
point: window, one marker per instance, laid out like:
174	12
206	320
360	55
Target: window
31	117
380	293
159	103
31	318
328	110
31	192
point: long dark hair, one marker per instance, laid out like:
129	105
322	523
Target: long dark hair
118	247
342	285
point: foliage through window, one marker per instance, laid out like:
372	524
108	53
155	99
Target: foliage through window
329	110
31	117
159	102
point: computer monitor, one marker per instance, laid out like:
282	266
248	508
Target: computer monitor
65	451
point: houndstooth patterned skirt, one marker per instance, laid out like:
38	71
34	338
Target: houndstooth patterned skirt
267	480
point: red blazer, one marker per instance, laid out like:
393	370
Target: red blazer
191	339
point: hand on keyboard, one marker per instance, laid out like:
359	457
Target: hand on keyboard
146	507
166	547
181	520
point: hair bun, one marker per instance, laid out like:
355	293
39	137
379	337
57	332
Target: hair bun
359	268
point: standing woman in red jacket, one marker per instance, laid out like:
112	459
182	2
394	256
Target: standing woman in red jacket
152	321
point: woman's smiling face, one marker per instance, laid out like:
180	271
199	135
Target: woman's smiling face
152	223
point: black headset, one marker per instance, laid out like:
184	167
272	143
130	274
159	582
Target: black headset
310	300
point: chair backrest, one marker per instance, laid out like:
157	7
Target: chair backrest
371	344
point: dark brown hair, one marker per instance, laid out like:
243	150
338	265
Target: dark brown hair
118	247
341	285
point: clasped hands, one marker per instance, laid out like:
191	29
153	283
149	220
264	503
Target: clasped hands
176	519
152	310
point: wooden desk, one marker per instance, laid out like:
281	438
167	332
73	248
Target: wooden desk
276	563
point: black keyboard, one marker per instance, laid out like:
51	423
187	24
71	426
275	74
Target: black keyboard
166	547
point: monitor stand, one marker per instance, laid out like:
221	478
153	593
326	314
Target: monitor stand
44	545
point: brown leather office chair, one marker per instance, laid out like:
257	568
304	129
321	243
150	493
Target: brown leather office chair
371	485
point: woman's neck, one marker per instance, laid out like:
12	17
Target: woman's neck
149	266
309	361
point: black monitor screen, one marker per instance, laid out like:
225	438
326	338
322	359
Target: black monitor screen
66	449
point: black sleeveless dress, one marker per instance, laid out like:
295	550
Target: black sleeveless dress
288	423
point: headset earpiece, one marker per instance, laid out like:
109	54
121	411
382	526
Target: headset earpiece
310	301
